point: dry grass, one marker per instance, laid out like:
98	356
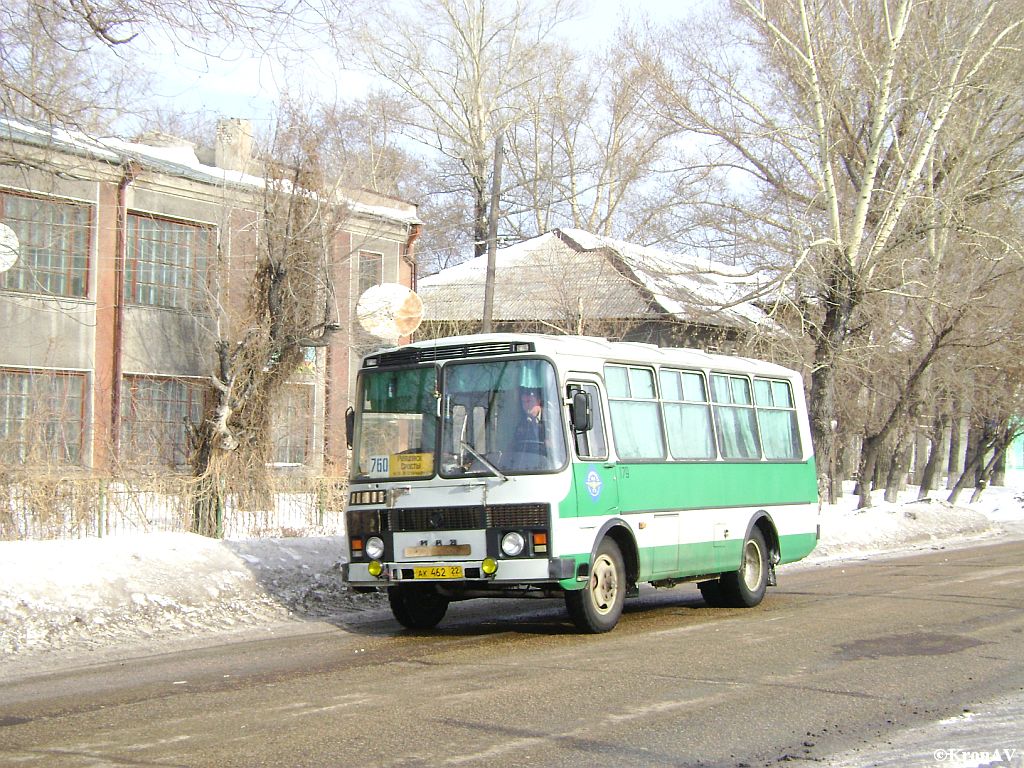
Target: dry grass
51	505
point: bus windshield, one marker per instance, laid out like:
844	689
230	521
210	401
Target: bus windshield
396	433
501	415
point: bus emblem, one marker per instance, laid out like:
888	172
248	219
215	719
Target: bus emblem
593	484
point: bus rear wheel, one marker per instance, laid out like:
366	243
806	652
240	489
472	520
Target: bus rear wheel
597	607
745	588
417	606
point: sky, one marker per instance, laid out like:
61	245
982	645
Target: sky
242	83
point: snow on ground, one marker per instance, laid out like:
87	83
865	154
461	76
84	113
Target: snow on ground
75	598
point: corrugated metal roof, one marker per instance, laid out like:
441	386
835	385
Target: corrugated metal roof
539	279
179	161
571	273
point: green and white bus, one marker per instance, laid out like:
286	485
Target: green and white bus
520	465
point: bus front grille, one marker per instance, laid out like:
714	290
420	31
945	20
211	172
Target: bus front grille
469	518
518	516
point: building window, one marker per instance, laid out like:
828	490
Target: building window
291	427
167	263
371	270
42	417
155	418
53	239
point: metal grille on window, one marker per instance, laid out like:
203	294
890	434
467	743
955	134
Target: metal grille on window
167	263
155	414
53	253
292	424
42	417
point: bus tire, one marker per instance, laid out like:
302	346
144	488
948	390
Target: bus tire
597	607
417	606
711	591
745	588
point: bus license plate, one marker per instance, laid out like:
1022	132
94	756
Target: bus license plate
438	572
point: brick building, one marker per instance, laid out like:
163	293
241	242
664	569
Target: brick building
108	341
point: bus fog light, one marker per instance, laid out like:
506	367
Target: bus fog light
375	568
374	548
512	544
489	566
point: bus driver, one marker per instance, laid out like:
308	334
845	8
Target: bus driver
529	434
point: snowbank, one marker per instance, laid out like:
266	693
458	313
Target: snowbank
75	596
93	593
895	527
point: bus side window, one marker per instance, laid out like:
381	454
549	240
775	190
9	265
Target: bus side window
735	420
635	412
777	419
691	434
591	444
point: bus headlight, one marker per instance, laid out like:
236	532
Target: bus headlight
374	548
512	544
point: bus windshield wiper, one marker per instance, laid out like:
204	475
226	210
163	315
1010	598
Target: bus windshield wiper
494	470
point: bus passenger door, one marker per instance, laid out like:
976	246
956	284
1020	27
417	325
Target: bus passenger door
597	490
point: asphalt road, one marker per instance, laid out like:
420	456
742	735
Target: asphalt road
836	660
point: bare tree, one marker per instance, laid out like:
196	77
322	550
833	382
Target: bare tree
819	123
82	64
53	66
589	143
994	432
463	68
364	144
288	308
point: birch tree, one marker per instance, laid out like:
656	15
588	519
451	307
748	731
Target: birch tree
462	67
82	64
589	144
818	124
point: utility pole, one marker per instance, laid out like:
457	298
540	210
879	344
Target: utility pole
492	235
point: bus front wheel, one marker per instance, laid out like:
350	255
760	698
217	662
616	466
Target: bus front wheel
745	588
417	606
597	607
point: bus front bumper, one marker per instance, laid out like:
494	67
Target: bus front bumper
510	571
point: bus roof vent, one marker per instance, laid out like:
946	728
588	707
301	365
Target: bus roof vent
411	355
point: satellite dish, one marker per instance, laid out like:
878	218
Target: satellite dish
9	246
389	311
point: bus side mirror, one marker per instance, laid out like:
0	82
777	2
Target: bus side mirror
582	418
350	424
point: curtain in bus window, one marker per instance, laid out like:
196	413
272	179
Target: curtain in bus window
780	436
693	387
641	383
781	396
690	435
762	392
720	391
637	429
776	418
737	432
617	381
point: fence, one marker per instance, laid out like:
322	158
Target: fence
81	507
